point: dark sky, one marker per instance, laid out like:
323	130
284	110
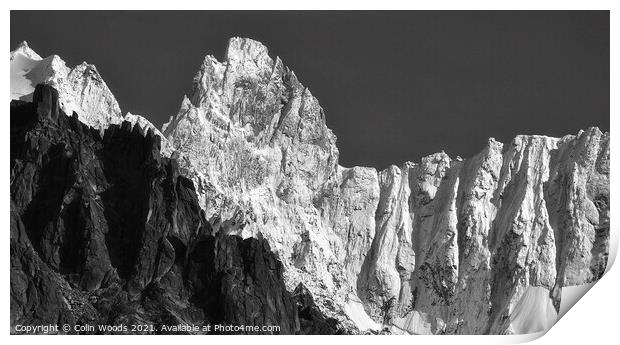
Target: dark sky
395	86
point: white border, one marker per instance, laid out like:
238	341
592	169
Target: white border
592	320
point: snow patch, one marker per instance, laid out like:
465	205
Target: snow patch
414	322
355	311
534	312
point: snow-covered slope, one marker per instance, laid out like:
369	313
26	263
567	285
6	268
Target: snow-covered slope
27	70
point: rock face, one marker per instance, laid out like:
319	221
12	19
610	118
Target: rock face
441	246
486	245
105	231
254	141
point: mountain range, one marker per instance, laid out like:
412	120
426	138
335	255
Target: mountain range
238	212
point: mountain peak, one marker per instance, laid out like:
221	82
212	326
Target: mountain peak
24	49
240	48
81	89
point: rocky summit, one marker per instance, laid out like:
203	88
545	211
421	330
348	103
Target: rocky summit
168	226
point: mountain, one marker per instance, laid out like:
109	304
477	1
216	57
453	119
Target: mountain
441	246
81	89
104	231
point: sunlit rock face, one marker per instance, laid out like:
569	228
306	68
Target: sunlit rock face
440	246
485	245
254	140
